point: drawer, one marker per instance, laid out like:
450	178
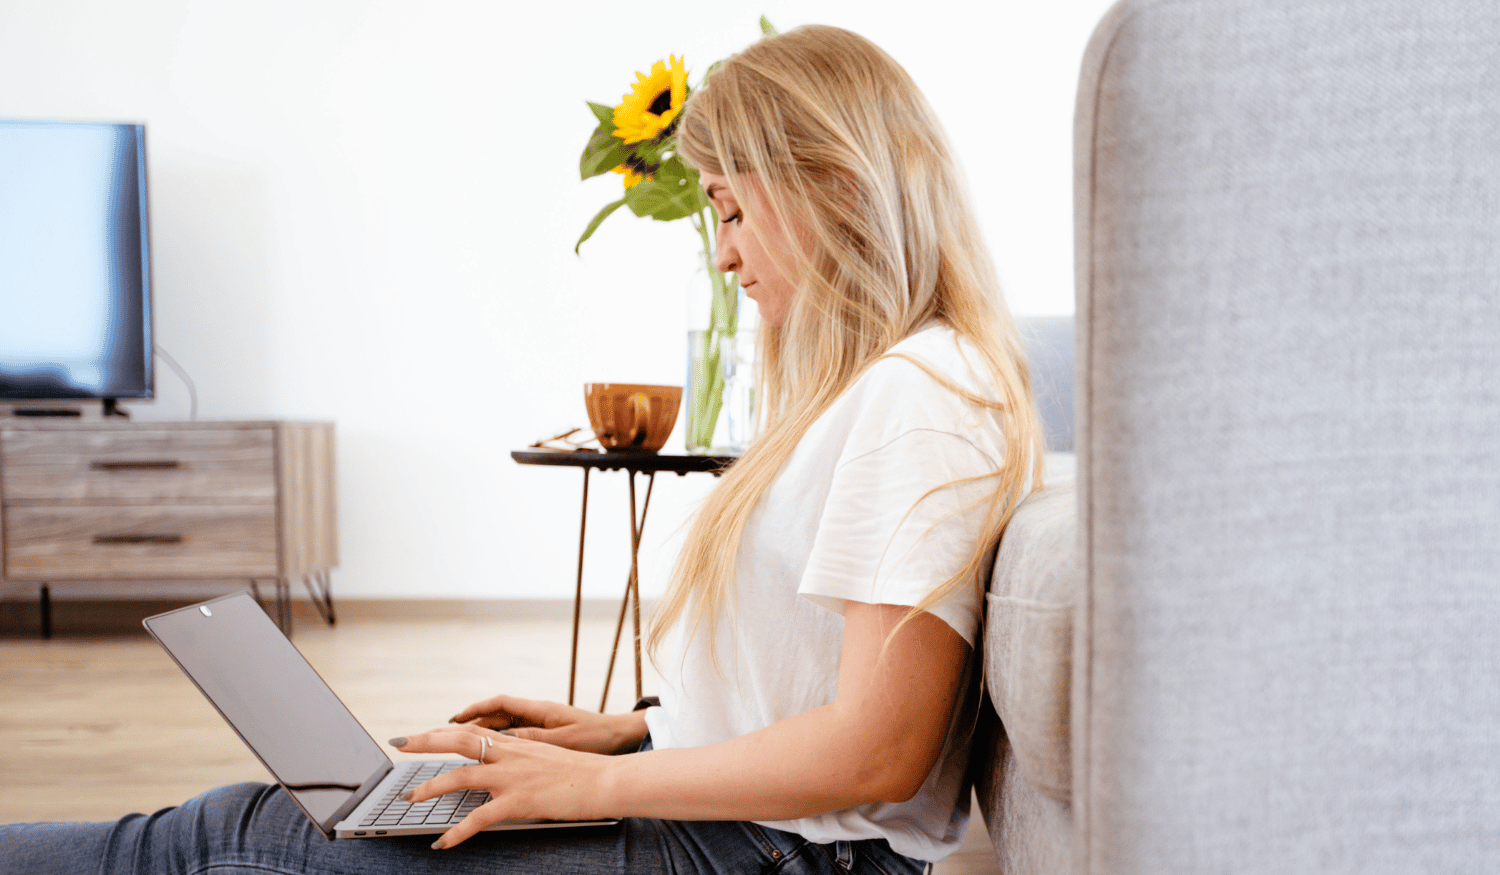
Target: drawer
64	543
233	465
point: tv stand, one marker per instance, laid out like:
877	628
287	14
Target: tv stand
117	501
112	408
45	412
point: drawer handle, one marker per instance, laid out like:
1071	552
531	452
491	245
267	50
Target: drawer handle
138	539
142	465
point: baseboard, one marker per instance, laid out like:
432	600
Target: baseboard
115	617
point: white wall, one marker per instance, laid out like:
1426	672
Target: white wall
365	211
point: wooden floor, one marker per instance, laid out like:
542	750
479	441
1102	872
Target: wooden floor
104	704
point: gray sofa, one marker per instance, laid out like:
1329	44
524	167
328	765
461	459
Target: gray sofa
1261	633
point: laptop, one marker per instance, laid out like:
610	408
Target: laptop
292	721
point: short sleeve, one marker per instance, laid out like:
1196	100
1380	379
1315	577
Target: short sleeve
899	521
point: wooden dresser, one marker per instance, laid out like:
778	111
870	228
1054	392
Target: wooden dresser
133	501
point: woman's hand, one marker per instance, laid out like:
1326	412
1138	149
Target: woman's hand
524	778
560	725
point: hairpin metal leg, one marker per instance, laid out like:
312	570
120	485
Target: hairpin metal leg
637	529
321	590
614	649
632	590
583	521
284	605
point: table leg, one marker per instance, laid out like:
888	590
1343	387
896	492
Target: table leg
614	649
284	605
637	528
632	590
583	521
320	588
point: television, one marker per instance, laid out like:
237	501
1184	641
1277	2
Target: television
75	262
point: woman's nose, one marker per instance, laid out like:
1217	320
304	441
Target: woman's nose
726	256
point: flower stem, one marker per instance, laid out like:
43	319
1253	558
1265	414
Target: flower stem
708	377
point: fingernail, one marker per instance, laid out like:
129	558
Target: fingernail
398	742
453	719
508	732
438	845
405	796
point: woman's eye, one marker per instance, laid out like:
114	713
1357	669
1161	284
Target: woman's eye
734	218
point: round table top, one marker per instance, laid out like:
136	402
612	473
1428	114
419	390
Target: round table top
628	460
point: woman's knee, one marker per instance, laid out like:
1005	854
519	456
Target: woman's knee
229	820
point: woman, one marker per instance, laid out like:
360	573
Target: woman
815	640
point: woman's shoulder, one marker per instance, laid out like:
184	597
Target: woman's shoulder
926	383
933	360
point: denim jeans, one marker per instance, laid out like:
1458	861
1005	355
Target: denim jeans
255	828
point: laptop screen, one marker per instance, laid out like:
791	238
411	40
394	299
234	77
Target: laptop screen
274	699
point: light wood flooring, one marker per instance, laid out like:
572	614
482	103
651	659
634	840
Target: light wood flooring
98	722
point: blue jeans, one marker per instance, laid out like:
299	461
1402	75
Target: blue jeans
256	829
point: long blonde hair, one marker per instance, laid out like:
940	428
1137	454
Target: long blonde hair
843	146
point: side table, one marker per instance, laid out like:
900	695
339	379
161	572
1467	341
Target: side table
633	463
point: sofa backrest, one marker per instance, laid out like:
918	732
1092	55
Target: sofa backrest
1050	345
1288	228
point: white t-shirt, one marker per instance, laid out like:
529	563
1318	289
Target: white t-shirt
845	519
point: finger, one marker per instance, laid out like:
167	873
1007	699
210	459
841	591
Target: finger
504	712
487	707
461	778
481	817
562	736
530	733
462	740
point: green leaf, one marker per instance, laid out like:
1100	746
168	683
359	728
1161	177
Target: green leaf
604	152
671	193
766	27
599	220
605	114
654	200
680	176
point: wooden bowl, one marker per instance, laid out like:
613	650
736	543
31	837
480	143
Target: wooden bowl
632	416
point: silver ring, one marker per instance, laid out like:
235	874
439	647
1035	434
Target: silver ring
484	747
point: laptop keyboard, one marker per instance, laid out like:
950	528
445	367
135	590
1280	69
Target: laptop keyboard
446	809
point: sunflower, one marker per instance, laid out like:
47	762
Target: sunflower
653	102
636	170
632	179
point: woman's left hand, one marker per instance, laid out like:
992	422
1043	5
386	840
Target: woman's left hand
530	779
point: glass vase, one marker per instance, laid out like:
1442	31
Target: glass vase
720	397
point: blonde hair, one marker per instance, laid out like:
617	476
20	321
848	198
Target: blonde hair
839	143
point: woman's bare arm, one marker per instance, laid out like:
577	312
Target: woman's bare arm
555	723
877	742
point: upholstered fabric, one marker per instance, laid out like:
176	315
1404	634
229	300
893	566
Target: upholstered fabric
1288	229
1031	832
1049	345
1028	637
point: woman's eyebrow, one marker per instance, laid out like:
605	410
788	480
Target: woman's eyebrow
714	187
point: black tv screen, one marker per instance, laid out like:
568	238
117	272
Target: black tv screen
75	263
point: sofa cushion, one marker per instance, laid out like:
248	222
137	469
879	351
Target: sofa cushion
1028	639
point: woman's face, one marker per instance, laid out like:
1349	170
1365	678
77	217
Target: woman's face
753	245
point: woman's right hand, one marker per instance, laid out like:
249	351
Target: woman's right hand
554	723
